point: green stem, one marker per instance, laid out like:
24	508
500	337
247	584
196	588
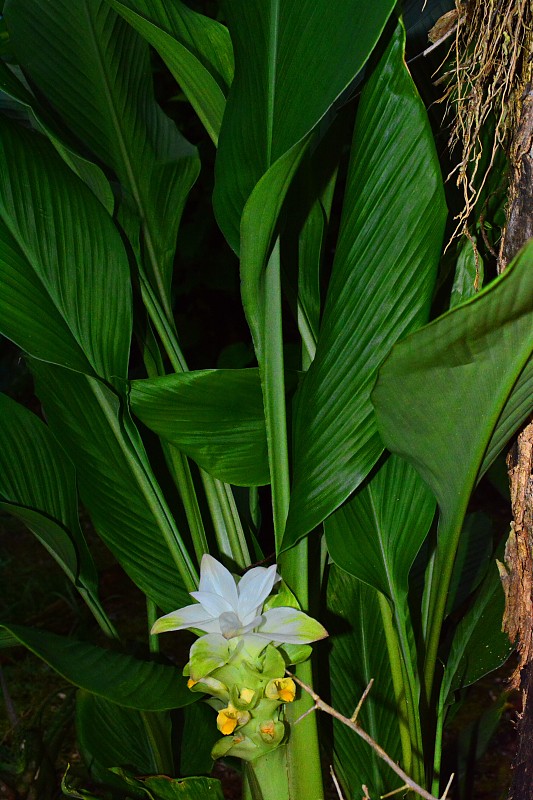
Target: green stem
273	378
179	467
230	536
303	752
450	532
438	751
99	614
266	778
400	690
151	616
229	532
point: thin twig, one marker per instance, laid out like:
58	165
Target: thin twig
354	726
336	782
355	714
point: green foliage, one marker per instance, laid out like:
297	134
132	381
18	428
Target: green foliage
335	204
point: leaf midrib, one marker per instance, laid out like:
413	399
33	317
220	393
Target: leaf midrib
125	158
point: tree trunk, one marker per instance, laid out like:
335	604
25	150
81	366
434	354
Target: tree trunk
518	620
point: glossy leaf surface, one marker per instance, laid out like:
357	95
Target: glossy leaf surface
121	678
111	107
56	300
359	653
214	416
446	394
115	481
38	485
196	49
381	288
377	534
287	74
116	736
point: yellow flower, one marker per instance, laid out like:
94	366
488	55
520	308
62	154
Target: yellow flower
281	689
246	696
228	719
191	683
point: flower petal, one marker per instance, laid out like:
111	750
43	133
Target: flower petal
213	604
216	579
291	626
193	616
254	588
207	654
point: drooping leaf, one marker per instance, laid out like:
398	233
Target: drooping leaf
90	173
111	107
57	301
214	416
120	678
359	653
287	75
38	485
116	736
445	396
479	645
381	288
159	787
116	483
196	49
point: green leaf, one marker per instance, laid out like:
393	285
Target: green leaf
200	736
479	645
51	222
359	653
116	736
472	559
381	288
159	787
214	416
116	483
90	173
378	533
111	107
120	678
445	396
195	48
468	273
287	75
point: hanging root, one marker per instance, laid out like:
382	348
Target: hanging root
486	71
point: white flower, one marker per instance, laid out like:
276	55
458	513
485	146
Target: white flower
233	609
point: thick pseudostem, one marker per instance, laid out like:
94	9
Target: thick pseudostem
488	69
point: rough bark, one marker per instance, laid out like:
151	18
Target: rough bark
518	584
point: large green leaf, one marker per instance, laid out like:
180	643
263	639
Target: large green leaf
292	60
445	396
381	288
479	645
110	106
214	416
57	301
116	483
89	172
378	533
196	49
38	485
116	736
358	654
114	676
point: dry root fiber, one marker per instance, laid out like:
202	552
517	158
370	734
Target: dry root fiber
487	69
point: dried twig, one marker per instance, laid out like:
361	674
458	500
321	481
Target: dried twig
336	783
354	726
